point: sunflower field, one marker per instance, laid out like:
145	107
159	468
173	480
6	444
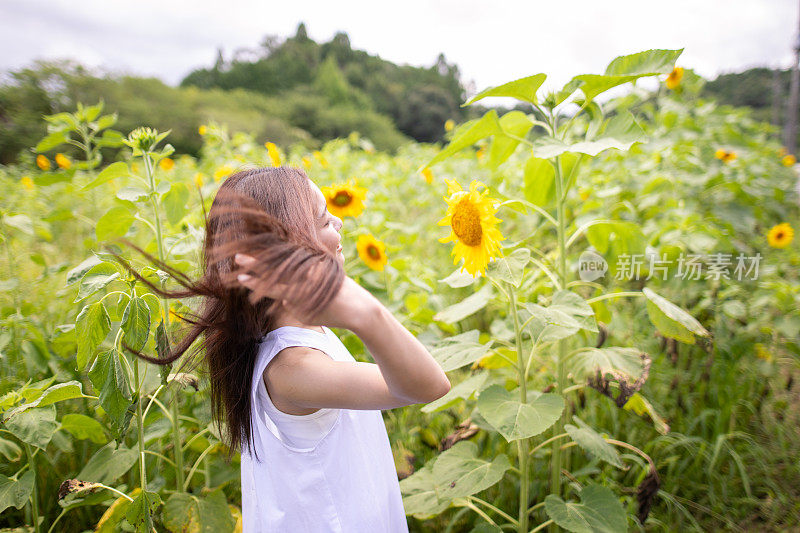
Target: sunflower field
612	287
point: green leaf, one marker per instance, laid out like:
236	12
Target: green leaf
599	511
594	443
461	473
672	321
466	307
96	279
136	323
420	494
115	223
175	202
112	171
106	121
79	271
639	405
515	420
91	327
459	350
16	493
515	123
109	377
187	512
467	135
108	464
510	267
459	278
84	427
56	393
56	138
21	222
10	450
35	426
141	510
621	132
566	314
539	179
647	63
575	306
463	390
565	92
623	363
133	194
522	89
628	68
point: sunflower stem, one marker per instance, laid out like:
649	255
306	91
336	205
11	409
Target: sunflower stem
522	444
561	373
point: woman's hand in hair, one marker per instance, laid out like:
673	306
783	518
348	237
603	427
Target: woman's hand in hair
351	308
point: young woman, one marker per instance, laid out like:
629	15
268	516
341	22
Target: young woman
315	455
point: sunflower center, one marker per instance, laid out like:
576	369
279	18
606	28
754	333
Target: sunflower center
779	235
342	198
373	252
466	223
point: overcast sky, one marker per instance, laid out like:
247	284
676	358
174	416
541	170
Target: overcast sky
491	41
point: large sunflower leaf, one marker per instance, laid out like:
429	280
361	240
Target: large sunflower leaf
621	132
566	314
522	89
614	359
35	426
510	267
455	352
467	135
671	320
576	307
599	511
539	179
515	420
463	390
469	305
16	493
420	493
592	442
514	123
460	472
628	68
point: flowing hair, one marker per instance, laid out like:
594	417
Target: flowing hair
269	214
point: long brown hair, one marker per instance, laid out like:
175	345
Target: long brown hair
269	214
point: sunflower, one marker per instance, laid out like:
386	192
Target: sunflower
203	129
345	199
371	251
166	164
222	171
198	180
780	236
470	216
788	160
42	162
63	161
762	352
27	182
274	154
724	155
674	78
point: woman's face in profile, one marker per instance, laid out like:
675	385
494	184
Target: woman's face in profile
327	225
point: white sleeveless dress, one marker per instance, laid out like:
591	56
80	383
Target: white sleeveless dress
330	471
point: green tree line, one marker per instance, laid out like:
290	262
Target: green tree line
287	91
